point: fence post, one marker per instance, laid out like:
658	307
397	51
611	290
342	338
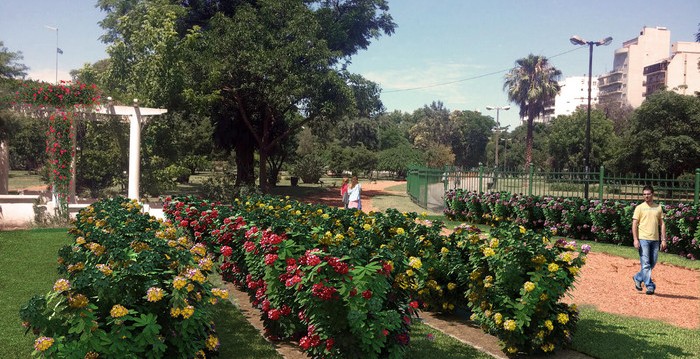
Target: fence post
481	176
600	182
532	175
697	185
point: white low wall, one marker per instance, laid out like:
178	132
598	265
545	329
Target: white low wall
17	211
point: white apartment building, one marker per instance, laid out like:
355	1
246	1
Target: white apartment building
573	94
625	83
677	73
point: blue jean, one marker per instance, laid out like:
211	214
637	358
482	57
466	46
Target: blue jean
648	254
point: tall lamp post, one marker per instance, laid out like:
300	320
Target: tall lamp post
576	40
498	125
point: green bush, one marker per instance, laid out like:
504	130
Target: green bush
309	168
129	287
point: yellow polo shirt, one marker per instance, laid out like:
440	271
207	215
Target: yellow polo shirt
648	220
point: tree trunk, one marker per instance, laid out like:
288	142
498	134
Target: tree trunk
529	141
4	167
245	161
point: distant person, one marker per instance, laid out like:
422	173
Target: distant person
354	200
647	219
344	194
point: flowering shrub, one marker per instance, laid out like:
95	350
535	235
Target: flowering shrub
342	283
603	221
129	287
516	278
61	102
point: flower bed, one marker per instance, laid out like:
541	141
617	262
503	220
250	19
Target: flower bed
129	287
345	283
604	221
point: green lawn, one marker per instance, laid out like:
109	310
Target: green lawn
23	179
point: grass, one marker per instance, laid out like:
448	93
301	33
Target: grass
609	336
23	179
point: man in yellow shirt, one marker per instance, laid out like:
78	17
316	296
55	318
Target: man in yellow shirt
648	217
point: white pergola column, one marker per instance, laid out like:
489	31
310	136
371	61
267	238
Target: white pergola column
136	115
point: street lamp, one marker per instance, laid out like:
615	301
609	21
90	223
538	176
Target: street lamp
498	125
587	154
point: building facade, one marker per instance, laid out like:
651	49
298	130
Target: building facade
574	94
625	84
677	73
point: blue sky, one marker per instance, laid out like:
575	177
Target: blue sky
454	51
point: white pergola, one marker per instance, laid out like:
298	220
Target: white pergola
137	115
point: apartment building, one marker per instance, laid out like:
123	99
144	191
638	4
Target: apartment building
625	84
574	93
677	73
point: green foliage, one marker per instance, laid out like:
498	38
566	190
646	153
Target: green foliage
566	140
398	160
10	67
28	143
309	168
664	135
474	132
128	286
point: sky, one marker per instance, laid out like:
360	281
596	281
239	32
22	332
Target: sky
453	51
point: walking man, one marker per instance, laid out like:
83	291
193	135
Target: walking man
647	219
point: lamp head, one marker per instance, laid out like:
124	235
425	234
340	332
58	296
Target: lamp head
576	40
489	108
605	42
505	108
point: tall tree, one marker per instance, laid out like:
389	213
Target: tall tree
10	69
665	136
532	85
566	135
473	133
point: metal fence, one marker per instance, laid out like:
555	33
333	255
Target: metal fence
427	186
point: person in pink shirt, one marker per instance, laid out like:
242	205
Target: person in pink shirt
344	192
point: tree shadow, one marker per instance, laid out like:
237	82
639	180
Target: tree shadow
690	297
600	339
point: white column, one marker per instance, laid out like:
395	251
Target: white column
134	155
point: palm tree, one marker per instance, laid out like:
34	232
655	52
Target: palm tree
532	85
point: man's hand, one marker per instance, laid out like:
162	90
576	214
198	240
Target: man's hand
663	244
636	243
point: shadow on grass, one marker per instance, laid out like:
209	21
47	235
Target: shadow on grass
604	340
238	338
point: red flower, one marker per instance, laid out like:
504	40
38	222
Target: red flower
367	294
270	259
226	251
413	304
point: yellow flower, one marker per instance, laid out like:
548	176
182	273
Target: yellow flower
510	325
187	311
488	252
105	269
545	240
573	270
174	312
409	272
80	240
494	243
522	230
179	282
154	294
61	285
548	324
76	267
553	267
206	264
529	286
212	343
543	297
444	250
366	227
400	231
78	301
43	343
498	318
118	311
547	347
221	293
325	216
451	286
512	350
562	318
415	262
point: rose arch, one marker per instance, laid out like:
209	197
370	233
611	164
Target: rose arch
62	105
